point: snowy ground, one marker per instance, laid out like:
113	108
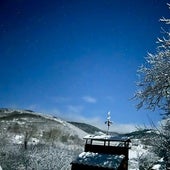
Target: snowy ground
137	150
141	154
59	154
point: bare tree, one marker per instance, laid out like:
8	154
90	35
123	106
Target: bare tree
29	132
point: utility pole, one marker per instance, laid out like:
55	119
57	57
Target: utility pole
108	122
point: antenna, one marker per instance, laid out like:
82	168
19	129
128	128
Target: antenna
108	122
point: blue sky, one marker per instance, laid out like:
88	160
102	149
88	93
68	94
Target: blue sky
77	59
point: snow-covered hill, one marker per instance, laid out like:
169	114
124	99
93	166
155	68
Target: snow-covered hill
42	121
29	139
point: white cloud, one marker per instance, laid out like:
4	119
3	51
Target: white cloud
60	99
89	99
74	109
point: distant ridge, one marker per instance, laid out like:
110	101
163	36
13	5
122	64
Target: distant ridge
90	128
86	127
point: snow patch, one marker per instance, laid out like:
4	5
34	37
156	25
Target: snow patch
100	160
156	167
17	139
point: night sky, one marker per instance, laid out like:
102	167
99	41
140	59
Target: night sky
77	59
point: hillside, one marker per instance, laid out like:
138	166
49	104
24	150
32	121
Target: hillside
30	140
37	138
91	129
86	127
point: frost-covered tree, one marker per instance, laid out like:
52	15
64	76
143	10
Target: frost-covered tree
154	84
154	90
29	132
146	160
161	144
